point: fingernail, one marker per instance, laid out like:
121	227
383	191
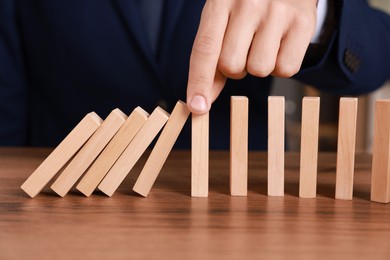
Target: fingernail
198	103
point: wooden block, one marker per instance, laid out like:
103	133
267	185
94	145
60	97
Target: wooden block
61	154
85	157
276	133
113	150
380	176
309	147
238	146
133	152
200	156
162	149
346	148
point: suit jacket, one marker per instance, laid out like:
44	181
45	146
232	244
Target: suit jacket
62	59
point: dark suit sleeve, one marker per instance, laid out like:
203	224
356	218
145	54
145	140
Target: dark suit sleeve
13	97
357	58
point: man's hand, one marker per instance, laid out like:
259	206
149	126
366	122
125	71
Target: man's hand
236	37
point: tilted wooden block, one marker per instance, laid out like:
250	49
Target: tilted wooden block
380	176
239	146
200	156
346	148
133	152
276	118
309	147
162	149
88	153
61	154
113	150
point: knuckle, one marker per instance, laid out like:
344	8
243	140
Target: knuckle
286	70
278	8
305	23
231	67
205	46
255	4
199	80
248	5
259	69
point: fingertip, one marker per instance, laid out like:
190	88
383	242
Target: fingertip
198	105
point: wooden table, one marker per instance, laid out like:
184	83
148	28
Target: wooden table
171	224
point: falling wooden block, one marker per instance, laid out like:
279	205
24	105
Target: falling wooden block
238	146
200	156
113	150
61	154
133	152
346	148
309	147
276	133
85	157
380	176
162	149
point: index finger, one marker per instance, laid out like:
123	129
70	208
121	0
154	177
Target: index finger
201	88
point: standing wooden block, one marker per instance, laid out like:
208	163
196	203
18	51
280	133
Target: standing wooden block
200	156
276	117
61	154
89	152
346	148
162	149
309	147
380	176
238	146
113	150
133	152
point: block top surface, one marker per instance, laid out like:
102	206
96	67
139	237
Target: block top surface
95	117
142	111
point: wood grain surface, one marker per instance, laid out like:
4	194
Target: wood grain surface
346	143
309	147
239	117
276	147
380	180
169	224
200	155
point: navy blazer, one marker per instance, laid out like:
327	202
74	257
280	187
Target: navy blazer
60	60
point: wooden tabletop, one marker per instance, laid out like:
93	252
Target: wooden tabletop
171	224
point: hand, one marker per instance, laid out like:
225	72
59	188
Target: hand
236	37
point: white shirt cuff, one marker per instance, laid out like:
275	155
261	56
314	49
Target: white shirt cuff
322	10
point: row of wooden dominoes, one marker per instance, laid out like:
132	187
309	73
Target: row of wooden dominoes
104	152
380	175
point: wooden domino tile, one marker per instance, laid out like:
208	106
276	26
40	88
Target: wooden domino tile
200	156
346	148
85	157
309	147
276	124
113	150
238	146
162	149
133	152
61	154
380	176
